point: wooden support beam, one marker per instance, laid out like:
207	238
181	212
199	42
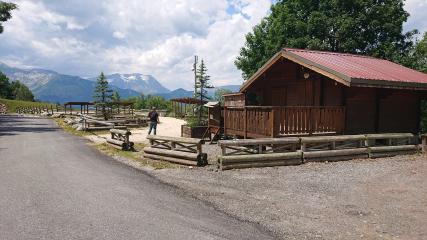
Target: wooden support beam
424	143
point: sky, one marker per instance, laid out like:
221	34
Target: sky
160	38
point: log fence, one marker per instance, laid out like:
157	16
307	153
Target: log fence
249	153
424	143
390	144
120	140
266	152
92	124
49	109
333	148
187	151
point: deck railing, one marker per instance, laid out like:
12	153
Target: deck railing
268	121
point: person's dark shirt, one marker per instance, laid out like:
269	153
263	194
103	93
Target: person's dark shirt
153	115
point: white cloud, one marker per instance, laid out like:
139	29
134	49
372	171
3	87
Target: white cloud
119	35
151	37
417	10
84	37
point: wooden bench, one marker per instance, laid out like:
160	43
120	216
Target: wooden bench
333	148
267	152
390	144
187	151
120	139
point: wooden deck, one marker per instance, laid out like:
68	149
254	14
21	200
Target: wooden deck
272	121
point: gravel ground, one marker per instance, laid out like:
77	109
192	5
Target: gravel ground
360	199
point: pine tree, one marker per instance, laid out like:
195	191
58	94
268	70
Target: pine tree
5	87
202	83
116	97
21	92
102	95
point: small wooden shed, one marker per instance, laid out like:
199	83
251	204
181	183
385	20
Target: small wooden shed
304	92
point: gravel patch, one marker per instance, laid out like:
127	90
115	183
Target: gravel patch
359	199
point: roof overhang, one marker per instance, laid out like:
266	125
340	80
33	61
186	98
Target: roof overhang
325	71
211	104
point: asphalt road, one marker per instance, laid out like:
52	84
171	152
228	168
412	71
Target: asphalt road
54	186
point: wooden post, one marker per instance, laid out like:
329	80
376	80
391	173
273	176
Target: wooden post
246	123
274	132
424	143
224	150
303	147
225	121
260	149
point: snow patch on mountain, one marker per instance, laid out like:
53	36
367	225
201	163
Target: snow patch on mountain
146	84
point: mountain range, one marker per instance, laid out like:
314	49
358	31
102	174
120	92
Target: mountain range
146	84
51	86
182	93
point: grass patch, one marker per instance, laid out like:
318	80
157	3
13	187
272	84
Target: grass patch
136	156
12	105
70	129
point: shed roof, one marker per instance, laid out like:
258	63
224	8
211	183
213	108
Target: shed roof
211	104
350	69
188	100
78	103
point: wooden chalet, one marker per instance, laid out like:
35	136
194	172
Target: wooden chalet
304	92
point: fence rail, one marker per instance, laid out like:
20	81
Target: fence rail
249	153
49	109
266	121
187	151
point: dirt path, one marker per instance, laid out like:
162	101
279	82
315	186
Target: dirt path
168	126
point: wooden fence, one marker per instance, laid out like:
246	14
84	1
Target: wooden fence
259	153
92	123
296	150
266	121
120	139
187	151
37	109
424	143
386	145
333	148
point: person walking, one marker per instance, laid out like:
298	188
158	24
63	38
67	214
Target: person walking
154	119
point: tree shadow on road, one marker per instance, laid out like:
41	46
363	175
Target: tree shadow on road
13	125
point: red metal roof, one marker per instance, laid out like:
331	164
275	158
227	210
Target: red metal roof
361	67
